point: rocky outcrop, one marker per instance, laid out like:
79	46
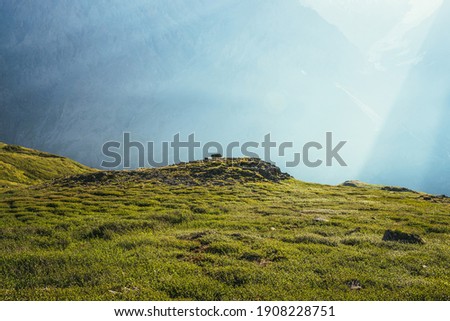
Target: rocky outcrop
397	189
224	171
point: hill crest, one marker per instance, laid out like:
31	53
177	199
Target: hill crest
223	171
20	166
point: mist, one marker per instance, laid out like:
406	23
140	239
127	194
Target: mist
76	74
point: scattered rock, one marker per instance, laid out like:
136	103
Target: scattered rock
402	237
397	189
435	198
353	183
264	262
354	285
133	289
320	219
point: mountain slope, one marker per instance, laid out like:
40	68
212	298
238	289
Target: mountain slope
81	73
21	166
220	230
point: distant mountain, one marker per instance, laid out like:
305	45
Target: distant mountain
20	166
77	74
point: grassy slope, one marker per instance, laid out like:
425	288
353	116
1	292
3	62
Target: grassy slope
20	166
141	239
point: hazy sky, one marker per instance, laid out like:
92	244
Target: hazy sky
75	74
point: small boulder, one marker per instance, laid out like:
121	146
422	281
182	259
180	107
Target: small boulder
353	183
354	285
402	237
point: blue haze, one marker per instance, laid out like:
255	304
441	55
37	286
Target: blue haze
75	74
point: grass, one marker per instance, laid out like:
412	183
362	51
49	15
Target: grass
131	236
20	166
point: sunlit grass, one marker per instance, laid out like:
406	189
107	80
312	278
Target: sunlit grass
141	240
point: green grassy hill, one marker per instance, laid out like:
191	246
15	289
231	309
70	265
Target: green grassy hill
219	230
20	166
